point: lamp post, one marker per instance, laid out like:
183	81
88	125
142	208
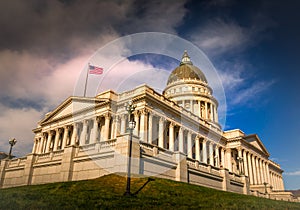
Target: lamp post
130	107
12	142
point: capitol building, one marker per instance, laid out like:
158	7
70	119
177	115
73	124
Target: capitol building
176	136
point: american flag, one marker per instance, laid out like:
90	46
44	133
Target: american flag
95	70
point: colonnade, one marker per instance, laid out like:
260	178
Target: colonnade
203	109
257	169
168	134
87	131
149	127
165	133
276	181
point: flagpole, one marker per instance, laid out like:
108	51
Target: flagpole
86	79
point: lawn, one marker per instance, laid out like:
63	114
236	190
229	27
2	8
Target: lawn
107	193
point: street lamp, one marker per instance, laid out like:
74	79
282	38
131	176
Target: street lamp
130	107
12	142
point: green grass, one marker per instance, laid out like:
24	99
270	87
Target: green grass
107	193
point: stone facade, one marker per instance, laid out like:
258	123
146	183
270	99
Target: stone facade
177	136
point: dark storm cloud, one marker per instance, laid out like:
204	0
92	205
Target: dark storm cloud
24	103
52	26
61	28
38	37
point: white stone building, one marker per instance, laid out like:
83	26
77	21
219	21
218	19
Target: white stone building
177	136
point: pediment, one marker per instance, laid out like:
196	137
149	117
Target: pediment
256	142
66	110
71	106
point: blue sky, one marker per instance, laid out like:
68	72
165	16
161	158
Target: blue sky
254	45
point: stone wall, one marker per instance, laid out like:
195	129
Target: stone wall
98	159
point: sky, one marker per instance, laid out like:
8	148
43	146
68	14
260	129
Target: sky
253	45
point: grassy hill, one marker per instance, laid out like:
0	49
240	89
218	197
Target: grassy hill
107	193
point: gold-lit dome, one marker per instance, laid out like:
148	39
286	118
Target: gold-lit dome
186	70
187	86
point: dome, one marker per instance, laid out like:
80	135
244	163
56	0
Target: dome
186	70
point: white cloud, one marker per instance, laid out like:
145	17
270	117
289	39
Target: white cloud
217	37
240	86
158	15
243	96
52	87
18	123
56	44
232	78
295	173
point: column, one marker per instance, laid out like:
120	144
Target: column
204	151
223	157
217	159
117	127
40	148
161	132
206	111
262	171
143	127
258	171
50	133
74	135
200	111
254	170
275	181
197	148
228	159
180	139
282	184
34	145
37	149
211	153
245	163
106	126
123	124
171	136
136	119
211	113
95	137
268	173
83	133
240	160
250	168
271	180
113	128
44	144
56	141
191	106
189	145
150	129
216	116
64	141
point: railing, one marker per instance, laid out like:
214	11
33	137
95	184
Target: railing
58	153
22	160
146	146
154	150
96	147
87	147
44	156
108	144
